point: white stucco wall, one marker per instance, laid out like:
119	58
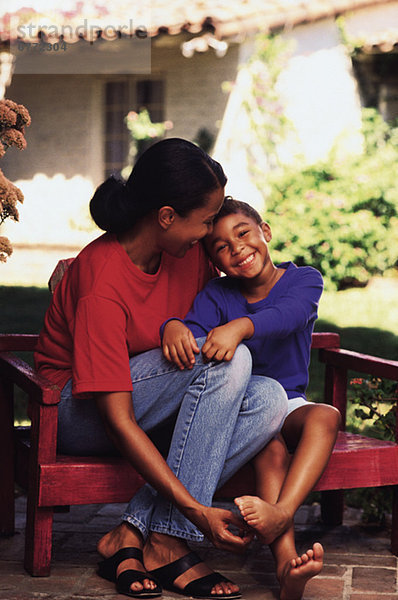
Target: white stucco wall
320	98
62	163
320	92
234	137
194	96
64	159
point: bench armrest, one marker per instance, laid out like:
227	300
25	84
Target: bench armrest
339	361
364	363
16	371
13	342
325	340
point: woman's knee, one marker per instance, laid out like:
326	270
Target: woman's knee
243	359
239	368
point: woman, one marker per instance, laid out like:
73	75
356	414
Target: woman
100	345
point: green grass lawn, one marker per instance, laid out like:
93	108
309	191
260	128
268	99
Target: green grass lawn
22	309
365	318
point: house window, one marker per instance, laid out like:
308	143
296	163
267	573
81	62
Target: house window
377	77
121	96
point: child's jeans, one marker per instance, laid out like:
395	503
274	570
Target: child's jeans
225	417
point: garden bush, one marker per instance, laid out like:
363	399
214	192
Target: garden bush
340	217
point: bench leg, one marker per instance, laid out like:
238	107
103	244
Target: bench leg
7	508
38	540
332	507
394	529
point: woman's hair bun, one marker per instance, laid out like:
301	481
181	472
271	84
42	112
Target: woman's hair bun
109	207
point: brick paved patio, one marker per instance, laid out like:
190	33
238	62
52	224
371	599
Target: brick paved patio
358	563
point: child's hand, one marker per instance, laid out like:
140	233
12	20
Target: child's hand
221	342
179	344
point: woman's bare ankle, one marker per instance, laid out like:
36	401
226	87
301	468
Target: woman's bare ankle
161	549
122	536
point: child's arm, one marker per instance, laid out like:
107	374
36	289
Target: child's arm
221	342
178	336
179	344
293	310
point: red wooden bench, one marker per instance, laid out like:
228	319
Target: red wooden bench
30	458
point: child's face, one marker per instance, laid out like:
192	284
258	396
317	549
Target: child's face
238	246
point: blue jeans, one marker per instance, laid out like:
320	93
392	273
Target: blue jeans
225	416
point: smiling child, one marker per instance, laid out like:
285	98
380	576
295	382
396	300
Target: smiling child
272	309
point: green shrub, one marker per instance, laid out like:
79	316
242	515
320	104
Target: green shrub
340	217
372	411
373	404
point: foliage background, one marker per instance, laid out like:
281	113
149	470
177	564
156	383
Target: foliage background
339	215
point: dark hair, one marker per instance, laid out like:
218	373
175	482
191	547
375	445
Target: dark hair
172	172
232	207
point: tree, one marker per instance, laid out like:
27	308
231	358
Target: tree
13	120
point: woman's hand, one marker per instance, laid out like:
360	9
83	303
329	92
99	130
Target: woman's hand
117	412
179	345
221	342
214	523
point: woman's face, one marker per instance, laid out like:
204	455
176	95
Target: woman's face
185	232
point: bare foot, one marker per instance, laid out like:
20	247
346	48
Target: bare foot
124	536
268	520
161	550
298	571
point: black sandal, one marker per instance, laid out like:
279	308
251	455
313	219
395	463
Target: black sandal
107	569
198	588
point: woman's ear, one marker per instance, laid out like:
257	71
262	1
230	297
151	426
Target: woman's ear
266	231
166	216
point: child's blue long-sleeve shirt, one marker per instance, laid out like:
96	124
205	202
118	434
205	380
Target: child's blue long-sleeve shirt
283	322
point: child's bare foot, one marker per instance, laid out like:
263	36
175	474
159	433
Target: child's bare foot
298	571
269	520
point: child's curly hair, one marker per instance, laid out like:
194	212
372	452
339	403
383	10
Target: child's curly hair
233	207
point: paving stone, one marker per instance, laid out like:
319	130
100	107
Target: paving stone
374	579
387	560
256	593
323	588
333	570
363	596
357	558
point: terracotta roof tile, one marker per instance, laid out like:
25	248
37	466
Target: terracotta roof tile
225	18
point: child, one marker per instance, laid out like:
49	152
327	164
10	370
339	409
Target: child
273	310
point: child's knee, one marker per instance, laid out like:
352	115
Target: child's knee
328	417
275	454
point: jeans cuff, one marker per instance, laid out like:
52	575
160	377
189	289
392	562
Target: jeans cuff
137	524
185	535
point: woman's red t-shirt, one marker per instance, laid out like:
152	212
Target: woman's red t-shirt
105	309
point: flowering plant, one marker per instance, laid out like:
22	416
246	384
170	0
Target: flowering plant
141	127
13	119
143	131
374	404
374	401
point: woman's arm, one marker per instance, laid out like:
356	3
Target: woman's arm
117	412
